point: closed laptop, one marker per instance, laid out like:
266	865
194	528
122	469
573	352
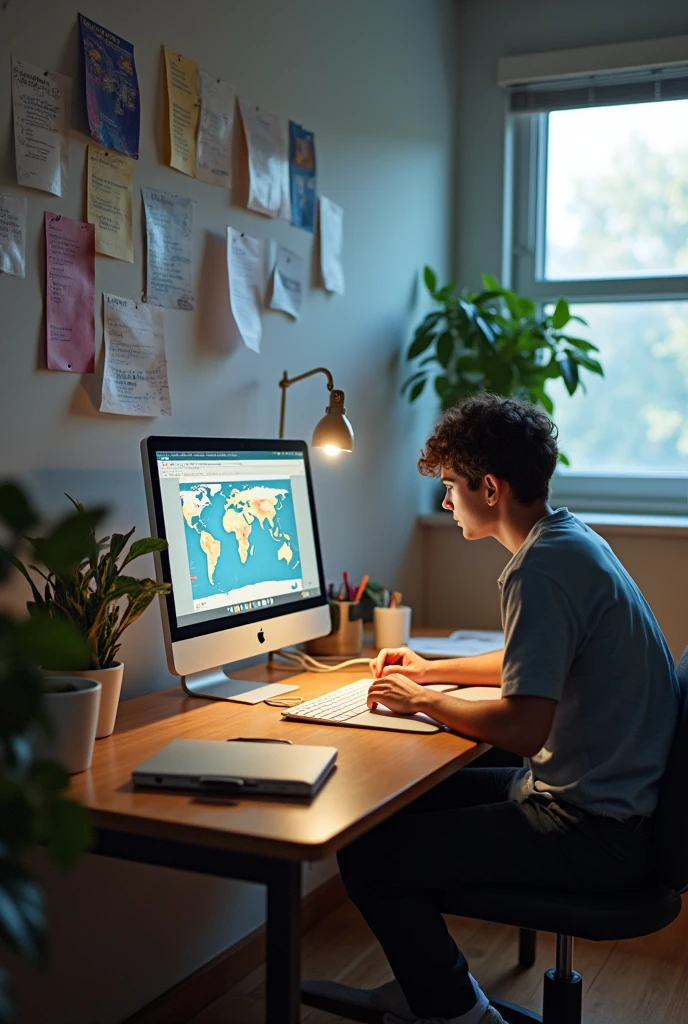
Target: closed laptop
243	767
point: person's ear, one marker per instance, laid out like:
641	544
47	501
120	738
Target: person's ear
492	489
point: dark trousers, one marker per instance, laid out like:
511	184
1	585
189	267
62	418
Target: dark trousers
467	831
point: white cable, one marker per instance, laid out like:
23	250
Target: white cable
312	665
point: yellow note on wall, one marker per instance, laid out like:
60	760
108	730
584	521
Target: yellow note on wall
181	75
109	200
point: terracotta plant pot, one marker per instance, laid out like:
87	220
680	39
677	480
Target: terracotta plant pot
74	715
111	681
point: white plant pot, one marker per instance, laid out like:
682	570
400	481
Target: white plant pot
74	715
111	681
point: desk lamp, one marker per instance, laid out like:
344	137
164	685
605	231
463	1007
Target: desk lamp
333	432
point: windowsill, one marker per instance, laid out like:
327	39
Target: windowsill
609	523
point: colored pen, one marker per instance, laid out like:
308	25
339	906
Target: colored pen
395	599
349	589
361	588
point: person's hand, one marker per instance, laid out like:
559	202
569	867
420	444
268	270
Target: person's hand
400	659
398	693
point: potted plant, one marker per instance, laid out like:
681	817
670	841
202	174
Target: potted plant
100	600
497	341
33	807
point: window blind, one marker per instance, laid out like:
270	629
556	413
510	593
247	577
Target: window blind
600	90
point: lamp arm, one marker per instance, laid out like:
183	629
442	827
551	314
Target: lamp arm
288	381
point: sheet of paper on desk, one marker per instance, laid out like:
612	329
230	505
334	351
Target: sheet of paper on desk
169	231
41	101
135	375
463	643
12	234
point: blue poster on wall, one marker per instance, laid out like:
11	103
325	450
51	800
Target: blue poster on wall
302	176
112	89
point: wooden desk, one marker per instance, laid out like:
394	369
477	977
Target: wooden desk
256	840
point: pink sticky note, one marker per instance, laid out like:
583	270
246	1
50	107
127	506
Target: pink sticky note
70	294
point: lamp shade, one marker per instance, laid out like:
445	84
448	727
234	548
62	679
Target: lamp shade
334	431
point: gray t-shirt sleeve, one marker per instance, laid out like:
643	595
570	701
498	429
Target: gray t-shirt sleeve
541	635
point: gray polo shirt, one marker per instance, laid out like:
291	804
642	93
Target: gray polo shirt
578	630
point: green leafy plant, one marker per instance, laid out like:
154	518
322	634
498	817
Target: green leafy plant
93	593
498	341
33	807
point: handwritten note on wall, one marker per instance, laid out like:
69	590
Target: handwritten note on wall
331	244
169	233
214	143
12	235
245	273
181	75
41	103
135	374
288	282
268	162
70	294
110	192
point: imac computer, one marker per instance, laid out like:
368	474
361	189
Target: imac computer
243	556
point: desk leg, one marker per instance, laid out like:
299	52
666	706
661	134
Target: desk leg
283	954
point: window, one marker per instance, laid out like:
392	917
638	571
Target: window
600	216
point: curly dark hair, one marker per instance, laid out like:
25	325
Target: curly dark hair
511	439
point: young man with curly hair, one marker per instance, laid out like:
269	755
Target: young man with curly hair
589	697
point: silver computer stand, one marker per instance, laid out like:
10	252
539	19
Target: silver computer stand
215	684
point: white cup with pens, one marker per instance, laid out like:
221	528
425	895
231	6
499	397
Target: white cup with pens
391	622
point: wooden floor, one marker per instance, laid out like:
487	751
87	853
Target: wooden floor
640	981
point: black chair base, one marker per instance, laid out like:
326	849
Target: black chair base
514	1014
329	996
562	1002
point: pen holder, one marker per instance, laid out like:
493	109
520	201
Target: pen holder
345	639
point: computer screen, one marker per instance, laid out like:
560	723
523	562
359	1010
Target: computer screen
239	519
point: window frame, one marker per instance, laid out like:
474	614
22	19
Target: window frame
523	260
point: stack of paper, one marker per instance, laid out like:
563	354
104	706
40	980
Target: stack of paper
463	643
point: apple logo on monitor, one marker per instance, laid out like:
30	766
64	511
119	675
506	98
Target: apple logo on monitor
261	636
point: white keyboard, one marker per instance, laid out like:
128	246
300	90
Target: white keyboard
337	705
347	706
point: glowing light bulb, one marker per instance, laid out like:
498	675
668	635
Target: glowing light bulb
331	450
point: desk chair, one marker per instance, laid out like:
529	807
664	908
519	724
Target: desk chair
619	915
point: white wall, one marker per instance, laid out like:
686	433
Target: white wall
375	81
